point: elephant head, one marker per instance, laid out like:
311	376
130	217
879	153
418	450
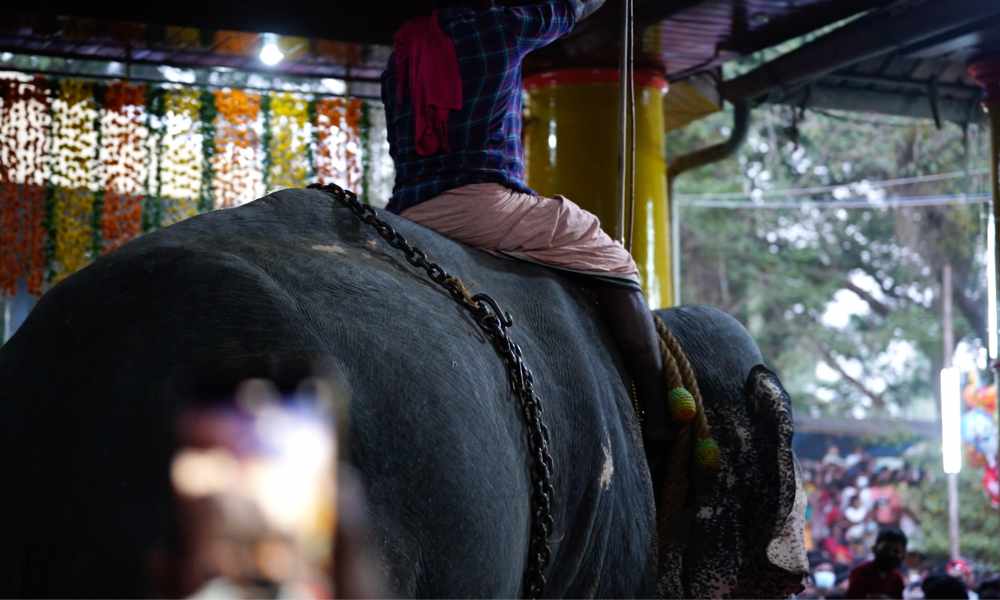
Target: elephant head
740	531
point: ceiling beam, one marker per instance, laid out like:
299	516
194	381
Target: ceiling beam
867	37
892	103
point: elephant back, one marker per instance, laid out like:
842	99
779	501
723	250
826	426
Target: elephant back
99	372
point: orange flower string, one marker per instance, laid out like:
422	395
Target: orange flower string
338	142
34	256
24	123
236	163
123	155
328	118
9	267
10	270
110	149
352	121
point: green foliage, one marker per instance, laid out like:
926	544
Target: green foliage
979	523
779	271
782	270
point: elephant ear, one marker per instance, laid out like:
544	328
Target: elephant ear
778	561
743	535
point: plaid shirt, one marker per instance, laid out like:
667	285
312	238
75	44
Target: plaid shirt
485	135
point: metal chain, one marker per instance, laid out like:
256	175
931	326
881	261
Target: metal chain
494	322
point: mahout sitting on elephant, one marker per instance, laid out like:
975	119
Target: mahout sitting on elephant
93	382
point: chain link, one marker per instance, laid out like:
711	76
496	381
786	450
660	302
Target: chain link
494	322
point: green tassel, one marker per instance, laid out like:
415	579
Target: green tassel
682	405
707	455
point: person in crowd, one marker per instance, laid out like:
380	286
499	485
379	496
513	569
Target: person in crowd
832	456
835	547
824	579
885	499
855	513
855	457
843	502
960	568
941	586
880	577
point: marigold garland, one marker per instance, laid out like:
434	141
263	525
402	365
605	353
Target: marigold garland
75	174
10	267
338	142
24	130
181	159
74	231
24	137
75	143
238	176
123	155
33	247
289	141
353	149
84	168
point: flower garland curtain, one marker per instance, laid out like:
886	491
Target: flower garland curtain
85	167
75	175
288	134
179	177
236	163
123	158
24	140
338	142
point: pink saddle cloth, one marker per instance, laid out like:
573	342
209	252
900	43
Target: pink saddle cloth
550	231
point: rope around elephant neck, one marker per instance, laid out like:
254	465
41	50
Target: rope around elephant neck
678	372
494	323
693	445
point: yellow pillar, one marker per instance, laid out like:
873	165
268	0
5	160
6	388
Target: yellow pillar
571	148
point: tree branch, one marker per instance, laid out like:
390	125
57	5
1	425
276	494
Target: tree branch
888	291
828	356
881	308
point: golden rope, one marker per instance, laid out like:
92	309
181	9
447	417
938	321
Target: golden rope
673	513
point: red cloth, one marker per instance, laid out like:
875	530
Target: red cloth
426	64
866	581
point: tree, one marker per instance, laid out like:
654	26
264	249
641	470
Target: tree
845	301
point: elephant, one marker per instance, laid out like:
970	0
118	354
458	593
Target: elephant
92	382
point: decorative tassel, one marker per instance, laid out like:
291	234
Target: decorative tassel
706	454
683	407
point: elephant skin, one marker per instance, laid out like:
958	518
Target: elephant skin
92	384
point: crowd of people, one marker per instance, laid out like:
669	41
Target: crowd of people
864	537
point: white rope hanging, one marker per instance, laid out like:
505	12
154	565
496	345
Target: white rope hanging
626	148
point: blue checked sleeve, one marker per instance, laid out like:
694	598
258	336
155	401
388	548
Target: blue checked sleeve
538	25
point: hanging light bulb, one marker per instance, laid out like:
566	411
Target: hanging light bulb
270	53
